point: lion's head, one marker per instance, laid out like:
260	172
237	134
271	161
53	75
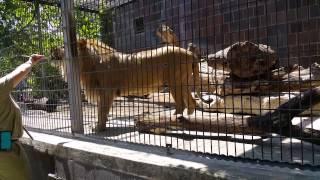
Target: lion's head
166	34
57	54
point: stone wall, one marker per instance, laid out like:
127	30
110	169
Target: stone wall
289	26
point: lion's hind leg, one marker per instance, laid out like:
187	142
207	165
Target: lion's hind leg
189	101
179	88
187	91
104	105
176	92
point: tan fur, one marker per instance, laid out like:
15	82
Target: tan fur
106	73
193	48
167	36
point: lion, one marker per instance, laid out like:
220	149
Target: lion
167	36
106	74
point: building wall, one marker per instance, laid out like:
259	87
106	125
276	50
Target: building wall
291	27
126	39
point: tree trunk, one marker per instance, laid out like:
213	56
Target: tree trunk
244	59
279	121
253	104
276	81
208	122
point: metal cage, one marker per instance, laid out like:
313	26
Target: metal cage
250	73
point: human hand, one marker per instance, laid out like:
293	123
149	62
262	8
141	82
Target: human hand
36	58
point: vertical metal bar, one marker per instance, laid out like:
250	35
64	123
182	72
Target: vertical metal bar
268	78
148	25
37	9
175	80
216	8
233	101
277	47
310	86
298	20
265	27
289	81
69	34
184	41
250	96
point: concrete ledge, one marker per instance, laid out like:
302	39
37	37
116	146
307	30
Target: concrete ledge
145	162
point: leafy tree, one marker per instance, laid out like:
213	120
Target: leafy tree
15	25
28	27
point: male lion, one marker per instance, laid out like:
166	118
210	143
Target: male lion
106	74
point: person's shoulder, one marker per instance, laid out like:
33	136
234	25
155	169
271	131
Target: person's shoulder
3	80
5	84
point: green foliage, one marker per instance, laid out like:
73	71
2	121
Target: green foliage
15	26
28	27
87	24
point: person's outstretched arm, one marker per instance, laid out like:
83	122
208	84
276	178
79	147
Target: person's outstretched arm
23	70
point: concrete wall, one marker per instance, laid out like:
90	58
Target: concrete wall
44	163
289	26
41	163
75	159
75	170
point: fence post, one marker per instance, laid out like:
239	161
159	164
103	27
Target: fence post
72	65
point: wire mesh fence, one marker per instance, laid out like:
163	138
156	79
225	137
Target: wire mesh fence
237	78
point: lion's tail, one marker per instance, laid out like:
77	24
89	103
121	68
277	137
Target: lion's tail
196	71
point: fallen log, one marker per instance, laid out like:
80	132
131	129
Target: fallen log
252	104
207	122
244	59
219	123
246	104
277	81
279	121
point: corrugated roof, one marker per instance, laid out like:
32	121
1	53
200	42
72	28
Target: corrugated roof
88	5
116	3
99	4
95	5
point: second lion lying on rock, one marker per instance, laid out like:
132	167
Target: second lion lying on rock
106	74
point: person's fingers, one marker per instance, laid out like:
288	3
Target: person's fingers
37	57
